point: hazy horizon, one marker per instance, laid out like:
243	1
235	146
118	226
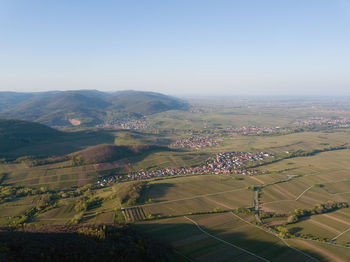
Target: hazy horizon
204	96
222	48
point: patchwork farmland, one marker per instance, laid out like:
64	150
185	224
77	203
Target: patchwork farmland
290	206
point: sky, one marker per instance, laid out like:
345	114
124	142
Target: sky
180	47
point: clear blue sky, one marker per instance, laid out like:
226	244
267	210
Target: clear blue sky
243	47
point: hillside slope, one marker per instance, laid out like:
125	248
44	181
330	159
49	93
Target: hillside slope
23	138
15	134
109	153
144	103
84	107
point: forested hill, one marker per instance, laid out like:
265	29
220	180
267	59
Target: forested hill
16	133
84	107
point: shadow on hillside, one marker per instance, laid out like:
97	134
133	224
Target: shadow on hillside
191	242
65	143
154	191
158	139
138	158
295	230
64	243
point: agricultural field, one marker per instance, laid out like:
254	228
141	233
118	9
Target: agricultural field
290	206
223	237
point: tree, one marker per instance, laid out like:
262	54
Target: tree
292	219
283	231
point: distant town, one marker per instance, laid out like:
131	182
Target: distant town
129	124
196	142
331	122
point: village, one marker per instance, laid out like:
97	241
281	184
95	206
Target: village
131	124
330	122
222	163
252	130
196	142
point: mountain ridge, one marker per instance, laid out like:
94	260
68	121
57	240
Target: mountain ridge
88	107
